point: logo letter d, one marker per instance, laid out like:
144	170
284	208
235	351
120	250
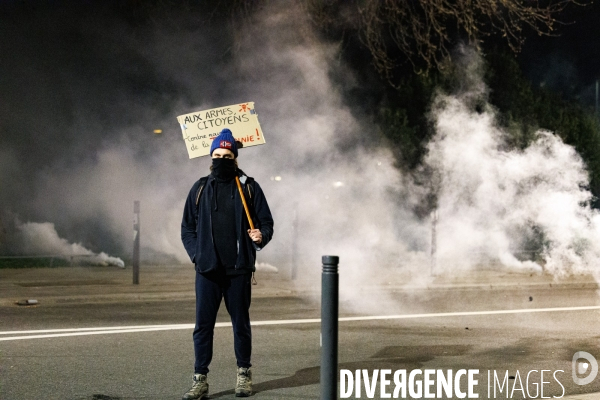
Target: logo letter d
593	363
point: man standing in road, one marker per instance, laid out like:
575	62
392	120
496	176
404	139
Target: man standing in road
217	236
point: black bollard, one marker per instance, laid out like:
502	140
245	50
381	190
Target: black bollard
136	242
294	242
329	327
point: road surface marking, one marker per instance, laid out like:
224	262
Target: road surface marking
53	333
83	329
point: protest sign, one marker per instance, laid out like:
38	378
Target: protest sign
201	127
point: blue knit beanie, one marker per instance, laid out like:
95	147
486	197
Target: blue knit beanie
225	140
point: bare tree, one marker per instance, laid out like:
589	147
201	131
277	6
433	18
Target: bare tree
422	31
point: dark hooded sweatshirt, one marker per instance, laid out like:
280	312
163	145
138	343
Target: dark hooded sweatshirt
222	213
207	237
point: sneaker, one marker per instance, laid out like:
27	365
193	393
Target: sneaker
199	389
243	386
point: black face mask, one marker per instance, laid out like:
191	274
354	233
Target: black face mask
223	168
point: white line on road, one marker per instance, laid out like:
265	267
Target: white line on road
106	328
53	333
76	332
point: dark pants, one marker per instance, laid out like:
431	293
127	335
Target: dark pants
210	289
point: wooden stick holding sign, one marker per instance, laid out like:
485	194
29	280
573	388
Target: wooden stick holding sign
239	185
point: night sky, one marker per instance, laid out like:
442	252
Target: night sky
568	63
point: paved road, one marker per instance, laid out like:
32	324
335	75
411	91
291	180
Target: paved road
449	327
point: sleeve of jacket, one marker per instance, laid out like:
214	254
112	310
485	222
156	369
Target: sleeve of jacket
188	223
264	217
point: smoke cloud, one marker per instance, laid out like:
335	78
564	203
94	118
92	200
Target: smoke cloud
523	209
42	239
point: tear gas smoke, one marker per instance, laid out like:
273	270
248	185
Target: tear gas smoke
41	239
502	205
